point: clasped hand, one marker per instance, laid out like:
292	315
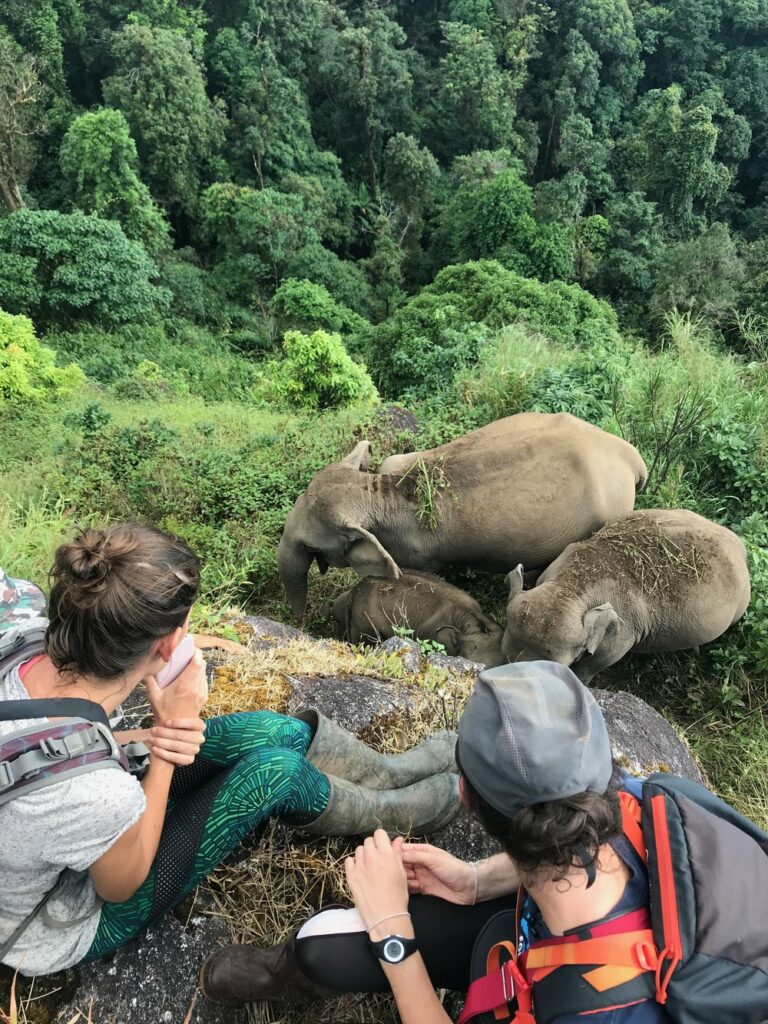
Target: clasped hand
383	872
179	732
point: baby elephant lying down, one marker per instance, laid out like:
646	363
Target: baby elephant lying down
429	606
650	581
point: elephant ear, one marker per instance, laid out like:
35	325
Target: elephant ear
600	624
359	457
367	556
448	636
515	580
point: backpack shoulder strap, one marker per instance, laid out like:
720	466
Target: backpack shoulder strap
20	643
631	822
53	707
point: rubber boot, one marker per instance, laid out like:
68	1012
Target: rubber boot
337	752
352	810
235	975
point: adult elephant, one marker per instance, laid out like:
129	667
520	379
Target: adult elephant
517	490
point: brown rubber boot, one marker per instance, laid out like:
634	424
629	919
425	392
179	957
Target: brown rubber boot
236	975
336	751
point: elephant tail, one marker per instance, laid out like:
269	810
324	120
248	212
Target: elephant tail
642	478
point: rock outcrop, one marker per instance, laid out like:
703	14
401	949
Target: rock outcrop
154	978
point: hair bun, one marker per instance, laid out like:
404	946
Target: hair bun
87	560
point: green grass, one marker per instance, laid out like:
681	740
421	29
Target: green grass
224	472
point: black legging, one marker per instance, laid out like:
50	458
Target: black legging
446	934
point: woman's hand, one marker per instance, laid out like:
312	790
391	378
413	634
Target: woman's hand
178	741
433	872
184	698
376	879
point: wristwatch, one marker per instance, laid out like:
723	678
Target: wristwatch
393	949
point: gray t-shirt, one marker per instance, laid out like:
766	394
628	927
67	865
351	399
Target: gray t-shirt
58	831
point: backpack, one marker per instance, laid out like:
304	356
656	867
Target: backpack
79	741
700	949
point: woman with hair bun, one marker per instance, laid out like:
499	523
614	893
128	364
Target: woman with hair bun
111	853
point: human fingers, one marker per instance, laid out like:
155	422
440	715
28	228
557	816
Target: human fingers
381	840
421	853
184	723
173	757
178	746
182	735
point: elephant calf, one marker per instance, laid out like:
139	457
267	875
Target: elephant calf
658	580
429	606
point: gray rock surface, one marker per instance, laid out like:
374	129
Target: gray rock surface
153	980
408	651
267	631
642	739
457	666
356	702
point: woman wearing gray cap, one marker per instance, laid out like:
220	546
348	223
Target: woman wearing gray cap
537	771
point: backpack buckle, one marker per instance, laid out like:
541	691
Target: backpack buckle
647	955
64	748
6	776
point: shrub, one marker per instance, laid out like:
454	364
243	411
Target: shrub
193	295
317	372
28	371
65	267
308	306
190	359
443	329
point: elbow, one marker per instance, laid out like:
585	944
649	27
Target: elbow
116	892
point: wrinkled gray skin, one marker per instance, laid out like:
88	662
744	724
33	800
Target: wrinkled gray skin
425	604
589	612
520	489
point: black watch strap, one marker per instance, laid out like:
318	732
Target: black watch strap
394	949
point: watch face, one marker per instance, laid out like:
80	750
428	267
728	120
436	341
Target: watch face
394	951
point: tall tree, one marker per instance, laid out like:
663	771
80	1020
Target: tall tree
474	104
160	87
364	71
20	118
99	164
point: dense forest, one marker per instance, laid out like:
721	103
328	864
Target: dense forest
235	234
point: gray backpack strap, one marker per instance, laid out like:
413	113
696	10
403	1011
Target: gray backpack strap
22	926
35	767
18	645
53	707
41	910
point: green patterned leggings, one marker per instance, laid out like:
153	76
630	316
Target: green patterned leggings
252	767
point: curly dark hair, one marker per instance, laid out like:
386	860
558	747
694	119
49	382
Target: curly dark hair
554	836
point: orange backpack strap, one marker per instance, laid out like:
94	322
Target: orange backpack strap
631	820
623	956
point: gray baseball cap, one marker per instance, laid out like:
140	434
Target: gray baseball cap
532	732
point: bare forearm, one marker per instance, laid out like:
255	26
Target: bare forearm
156	785
125	866
414	994
496	876
132	736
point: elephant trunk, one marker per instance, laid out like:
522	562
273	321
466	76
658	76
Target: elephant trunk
293	562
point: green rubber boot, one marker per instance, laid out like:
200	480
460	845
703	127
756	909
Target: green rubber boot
336	751
422	808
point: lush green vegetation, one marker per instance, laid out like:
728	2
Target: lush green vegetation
227	229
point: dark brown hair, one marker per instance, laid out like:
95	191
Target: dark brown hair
114	592
553	836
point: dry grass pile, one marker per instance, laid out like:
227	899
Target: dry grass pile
635	549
